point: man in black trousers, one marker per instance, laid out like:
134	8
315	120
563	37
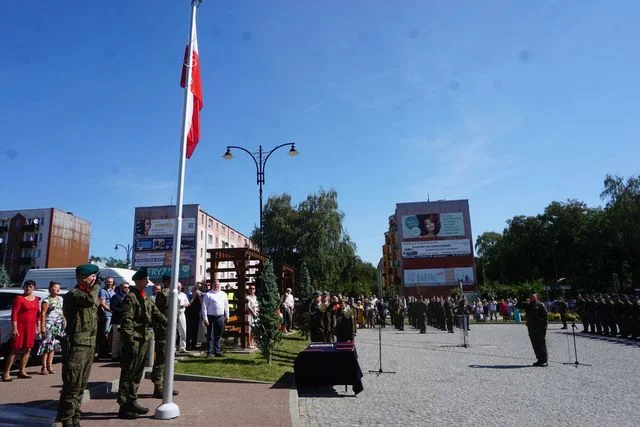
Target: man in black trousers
537	326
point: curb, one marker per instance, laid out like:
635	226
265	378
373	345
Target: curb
207	379
294	411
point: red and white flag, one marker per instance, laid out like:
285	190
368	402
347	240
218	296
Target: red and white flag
194	101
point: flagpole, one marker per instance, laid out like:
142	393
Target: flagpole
169	409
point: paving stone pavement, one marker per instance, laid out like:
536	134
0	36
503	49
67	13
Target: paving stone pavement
490	382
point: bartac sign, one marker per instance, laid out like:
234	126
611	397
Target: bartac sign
438	276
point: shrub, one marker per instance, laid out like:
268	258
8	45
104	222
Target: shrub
573	317
553	317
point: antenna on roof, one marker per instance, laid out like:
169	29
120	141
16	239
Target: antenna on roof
428	197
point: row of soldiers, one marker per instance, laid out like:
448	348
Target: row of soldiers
617	316
437	312
331	318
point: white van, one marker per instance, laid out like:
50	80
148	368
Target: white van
67	276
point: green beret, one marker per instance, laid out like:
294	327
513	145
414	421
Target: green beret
166	275
85	270
140	274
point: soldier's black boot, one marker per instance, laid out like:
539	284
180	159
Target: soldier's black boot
126	413
135	407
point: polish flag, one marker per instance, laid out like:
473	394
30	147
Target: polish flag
194	101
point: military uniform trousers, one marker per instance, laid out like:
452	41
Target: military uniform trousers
76	368
132	358
160	350
539	344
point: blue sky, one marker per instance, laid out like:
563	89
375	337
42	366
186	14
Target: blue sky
510	104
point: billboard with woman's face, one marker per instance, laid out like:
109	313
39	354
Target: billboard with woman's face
433	225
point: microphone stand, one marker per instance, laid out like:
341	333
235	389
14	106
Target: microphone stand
380	371
575	348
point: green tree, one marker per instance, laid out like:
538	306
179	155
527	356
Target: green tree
4	277
304	294
623	210
267	328
311	233
110	261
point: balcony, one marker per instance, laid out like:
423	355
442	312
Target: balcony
29	244
27	260
31	228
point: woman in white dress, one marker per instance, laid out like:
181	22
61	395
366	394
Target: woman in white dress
252	309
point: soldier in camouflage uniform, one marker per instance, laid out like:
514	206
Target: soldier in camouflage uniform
448	311
138	312
160	335
80	307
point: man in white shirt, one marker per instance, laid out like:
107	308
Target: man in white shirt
215	312
289	304
182	319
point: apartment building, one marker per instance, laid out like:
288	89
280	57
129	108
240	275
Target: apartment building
153	241
42	238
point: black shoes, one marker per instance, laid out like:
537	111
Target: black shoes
126	414
540	364
131	411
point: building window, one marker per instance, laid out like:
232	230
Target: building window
201	235
209	239
217	243
233	235
210	223
224	229
39	253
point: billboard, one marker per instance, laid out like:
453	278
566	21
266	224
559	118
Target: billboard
438	276
436	248
433	225
163	227
159	259
163	244
157	272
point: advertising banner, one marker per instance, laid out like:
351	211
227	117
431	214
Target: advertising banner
163	244
436	248
159	259
163	227
186	257
157	272
149	259
438	276
449	224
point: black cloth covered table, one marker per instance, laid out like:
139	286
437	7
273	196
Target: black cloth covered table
328	364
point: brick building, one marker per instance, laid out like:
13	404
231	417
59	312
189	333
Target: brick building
42	238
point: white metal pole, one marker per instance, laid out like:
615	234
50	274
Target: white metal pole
169	409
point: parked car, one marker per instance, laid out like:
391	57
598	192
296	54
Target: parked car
6	302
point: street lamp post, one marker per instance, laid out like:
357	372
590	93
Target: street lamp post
127	249
260	159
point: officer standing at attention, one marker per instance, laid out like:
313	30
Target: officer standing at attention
80	308
316	319
160	335
537	326
138	312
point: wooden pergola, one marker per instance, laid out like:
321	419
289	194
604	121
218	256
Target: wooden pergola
285	277
247	264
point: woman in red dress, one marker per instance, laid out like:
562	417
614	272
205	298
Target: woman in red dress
24	322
